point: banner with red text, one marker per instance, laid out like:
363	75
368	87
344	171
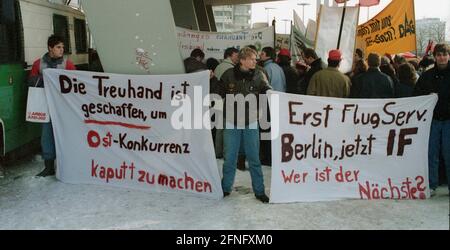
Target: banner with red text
331	149
214	44
122	130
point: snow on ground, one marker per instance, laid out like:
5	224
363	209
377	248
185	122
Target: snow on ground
28	202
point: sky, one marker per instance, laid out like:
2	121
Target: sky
424	9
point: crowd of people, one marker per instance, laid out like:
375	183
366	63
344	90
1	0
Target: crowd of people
248	72
373	76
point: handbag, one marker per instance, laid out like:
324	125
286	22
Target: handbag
37	107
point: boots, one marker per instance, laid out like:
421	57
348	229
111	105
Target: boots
241	163
49	169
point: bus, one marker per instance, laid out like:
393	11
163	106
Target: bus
25	26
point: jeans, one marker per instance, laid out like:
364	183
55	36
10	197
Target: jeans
439	143
219	144
48	142
232	139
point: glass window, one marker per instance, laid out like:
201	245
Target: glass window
61	28
11	37
80	36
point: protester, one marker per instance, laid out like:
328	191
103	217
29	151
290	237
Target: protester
195	63
388	69
330	82
244	79
212	63
276	75
425	64
437	80
292	77
54	58
359	55
358	60
359	68
316	65
407	80
399	60
373	83
230	60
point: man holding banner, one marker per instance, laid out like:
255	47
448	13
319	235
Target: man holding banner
437	80
244	81
54	58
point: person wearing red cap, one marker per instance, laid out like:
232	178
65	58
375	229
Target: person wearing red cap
330	82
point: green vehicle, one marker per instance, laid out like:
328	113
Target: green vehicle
25	26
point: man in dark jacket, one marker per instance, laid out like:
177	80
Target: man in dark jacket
195	62
373	84
316	65
292	77
243	81
437	80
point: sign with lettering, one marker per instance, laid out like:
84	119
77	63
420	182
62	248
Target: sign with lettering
121	130
331	149
214	44
392	31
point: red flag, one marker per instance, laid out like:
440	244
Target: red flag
368	3
430	48
341	1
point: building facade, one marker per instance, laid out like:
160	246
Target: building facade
231	18
429	29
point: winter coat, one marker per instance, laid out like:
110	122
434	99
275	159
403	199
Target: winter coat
235	81
46	62
276	75
316	66
436	81
222	67
330	83
373	84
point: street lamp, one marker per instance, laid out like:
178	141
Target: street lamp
285	24
268	10
303	10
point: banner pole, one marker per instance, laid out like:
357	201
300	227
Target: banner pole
342	25
415	27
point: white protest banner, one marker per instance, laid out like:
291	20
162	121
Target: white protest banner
214	44
328	34
117	130
331	149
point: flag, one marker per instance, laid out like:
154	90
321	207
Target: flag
299	23
341	1
430	48
368	3
392	31
299	42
